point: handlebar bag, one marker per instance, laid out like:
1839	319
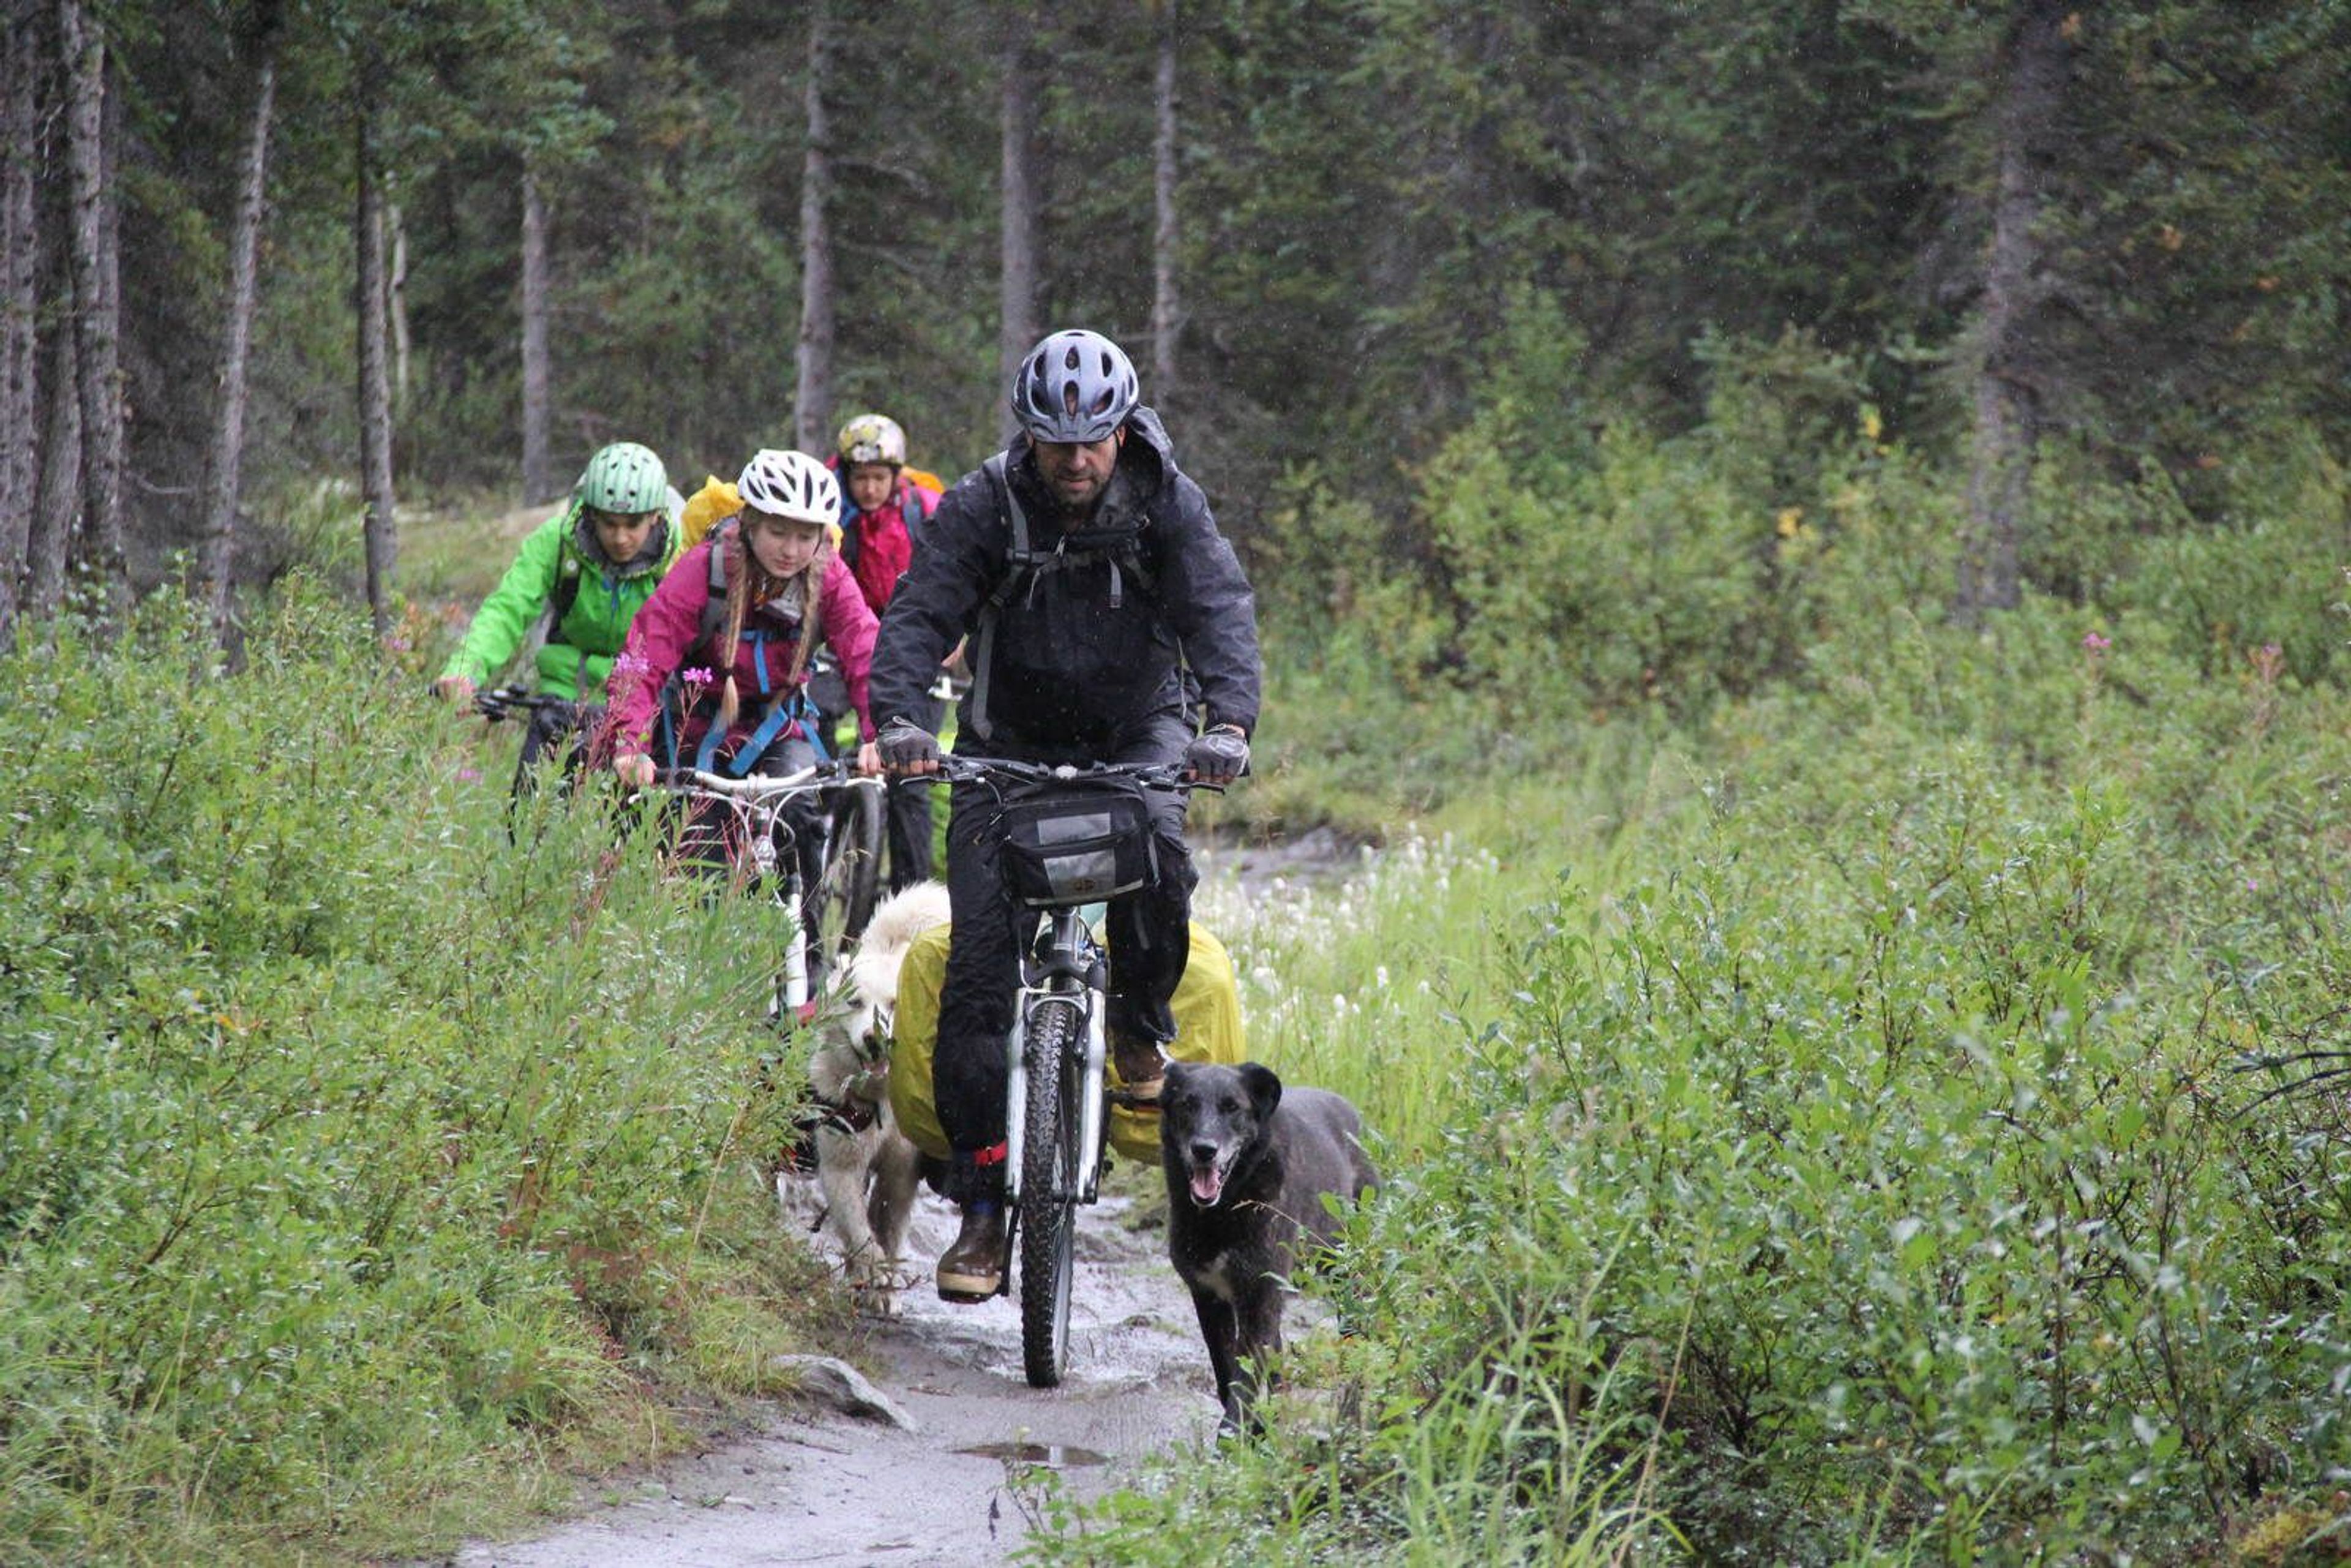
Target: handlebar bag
1078	841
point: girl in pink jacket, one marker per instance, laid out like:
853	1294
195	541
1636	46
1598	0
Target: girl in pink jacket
715	672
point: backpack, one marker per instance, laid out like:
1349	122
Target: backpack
1025	566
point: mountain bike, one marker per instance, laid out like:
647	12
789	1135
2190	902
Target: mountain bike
1072	838
550	720
559	715
746	825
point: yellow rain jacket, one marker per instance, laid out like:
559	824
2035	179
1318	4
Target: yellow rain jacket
1207	1007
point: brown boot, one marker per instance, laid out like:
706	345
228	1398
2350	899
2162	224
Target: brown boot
972	1268
1142	1068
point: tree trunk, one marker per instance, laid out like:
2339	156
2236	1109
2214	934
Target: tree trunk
2007	383
20	271
537	463
221	476
59	506
395	304
812	398
96	311
374	388
1166	313
1021	200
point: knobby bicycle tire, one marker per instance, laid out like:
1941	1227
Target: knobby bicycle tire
1048	1188
851	878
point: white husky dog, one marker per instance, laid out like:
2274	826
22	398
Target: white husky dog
867	1173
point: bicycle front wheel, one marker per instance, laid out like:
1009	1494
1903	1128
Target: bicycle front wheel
1050	1180
852	868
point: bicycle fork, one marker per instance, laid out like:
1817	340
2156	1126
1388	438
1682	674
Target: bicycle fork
792	991
1063	981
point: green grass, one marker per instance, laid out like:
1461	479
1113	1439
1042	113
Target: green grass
1817	1094
1829	1135
361	1166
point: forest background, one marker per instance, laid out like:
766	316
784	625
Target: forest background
1854	487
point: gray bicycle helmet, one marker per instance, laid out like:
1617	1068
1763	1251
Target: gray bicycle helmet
1074	386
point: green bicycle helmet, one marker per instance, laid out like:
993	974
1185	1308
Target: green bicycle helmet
624	479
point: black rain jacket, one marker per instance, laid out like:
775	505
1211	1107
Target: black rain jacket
1067	669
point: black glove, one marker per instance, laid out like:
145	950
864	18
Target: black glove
1219	756
904	744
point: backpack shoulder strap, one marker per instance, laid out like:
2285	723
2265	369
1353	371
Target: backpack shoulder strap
714	606
1019	561
1018	558
569	570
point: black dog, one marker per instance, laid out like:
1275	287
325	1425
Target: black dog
1247	1168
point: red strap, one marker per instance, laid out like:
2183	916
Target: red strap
991	1155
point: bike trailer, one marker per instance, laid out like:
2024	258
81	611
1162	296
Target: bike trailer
1207	1004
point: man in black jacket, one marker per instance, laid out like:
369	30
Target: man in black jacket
1106	619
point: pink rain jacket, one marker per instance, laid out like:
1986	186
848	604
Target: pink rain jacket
666	637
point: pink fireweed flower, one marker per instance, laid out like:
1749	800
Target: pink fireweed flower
2096	643
696	677
469	776
629	666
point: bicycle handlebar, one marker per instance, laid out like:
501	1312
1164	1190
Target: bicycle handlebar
758	786
954	768
497	702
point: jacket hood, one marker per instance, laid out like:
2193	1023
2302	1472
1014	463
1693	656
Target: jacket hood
649	556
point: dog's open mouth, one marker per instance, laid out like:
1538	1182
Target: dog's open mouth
1209	1182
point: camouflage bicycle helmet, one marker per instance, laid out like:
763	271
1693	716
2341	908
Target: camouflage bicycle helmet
1074	386
873	438
790	485
624	479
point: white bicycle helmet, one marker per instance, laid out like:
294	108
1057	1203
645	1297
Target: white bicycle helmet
790	485
1074	386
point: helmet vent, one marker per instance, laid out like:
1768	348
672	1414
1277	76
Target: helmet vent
1075	386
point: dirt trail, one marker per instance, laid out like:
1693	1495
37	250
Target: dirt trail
823	1488
817	1488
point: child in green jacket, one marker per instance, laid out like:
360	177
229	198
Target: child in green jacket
592	564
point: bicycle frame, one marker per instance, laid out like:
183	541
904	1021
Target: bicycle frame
755	806
1056	1108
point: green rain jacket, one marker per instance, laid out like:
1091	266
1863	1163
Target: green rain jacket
577	658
